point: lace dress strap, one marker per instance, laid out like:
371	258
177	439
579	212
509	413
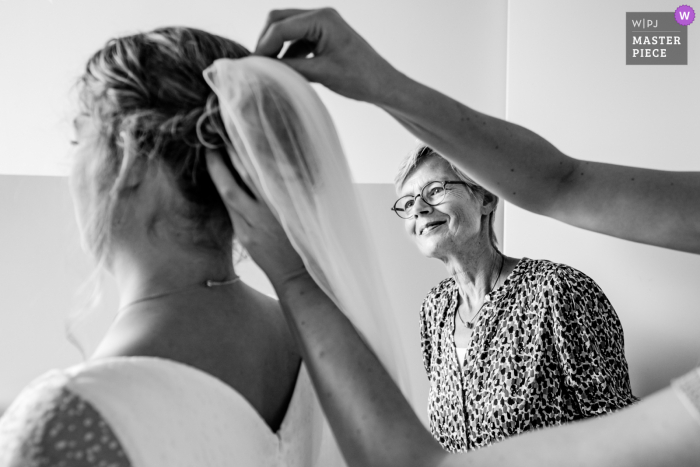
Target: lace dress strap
687	388
50	425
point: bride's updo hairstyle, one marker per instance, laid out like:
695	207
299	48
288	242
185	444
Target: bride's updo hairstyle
147	95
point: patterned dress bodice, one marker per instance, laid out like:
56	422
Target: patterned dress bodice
547	348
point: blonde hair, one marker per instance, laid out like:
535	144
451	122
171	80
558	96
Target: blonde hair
148	96
421	154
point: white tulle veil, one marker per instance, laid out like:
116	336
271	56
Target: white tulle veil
285	142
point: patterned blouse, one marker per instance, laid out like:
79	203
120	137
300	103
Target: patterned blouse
547	349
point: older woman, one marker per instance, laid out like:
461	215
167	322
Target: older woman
508	344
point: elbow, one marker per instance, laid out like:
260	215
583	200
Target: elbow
553	199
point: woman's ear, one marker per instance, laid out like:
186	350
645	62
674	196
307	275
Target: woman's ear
489	202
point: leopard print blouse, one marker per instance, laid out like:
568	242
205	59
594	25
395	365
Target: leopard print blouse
547	349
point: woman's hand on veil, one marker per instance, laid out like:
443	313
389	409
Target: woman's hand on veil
256	227
342	60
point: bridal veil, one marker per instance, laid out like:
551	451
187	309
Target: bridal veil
284	141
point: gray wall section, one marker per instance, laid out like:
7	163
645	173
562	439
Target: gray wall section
42	268
408	276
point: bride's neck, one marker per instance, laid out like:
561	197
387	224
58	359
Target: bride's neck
155	268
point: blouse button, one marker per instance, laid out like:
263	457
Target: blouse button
487	298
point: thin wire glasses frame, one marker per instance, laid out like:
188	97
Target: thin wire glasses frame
432	194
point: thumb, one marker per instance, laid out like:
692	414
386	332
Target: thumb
310	68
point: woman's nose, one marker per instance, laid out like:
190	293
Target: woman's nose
421	207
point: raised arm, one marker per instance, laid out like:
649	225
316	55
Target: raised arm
648	206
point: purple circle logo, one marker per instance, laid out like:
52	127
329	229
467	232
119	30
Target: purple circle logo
684	15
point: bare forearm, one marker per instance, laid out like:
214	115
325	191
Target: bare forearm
370	417
375	426
657	432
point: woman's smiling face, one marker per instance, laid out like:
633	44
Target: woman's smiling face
451	226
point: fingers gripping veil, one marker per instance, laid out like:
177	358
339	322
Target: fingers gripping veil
285	144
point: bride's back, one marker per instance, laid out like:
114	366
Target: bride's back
152	215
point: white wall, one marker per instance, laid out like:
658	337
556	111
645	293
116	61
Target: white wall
567	80
44	45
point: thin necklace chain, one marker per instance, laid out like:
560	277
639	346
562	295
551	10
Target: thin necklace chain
209	284
470	324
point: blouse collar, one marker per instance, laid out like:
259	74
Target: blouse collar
512	279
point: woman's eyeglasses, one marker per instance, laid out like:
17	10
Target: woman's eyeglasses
432	194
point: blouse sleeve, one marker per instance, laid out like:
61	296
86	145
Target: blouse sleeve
590	344
50	425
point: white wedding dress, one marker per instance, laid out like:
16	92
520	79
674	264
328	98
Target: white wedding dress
148	412
156	412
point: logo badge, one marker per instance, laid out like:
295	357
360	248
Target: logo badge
655	38
685	15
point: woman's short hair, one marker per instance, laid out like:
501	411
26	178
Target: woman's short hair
421	154
148	97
